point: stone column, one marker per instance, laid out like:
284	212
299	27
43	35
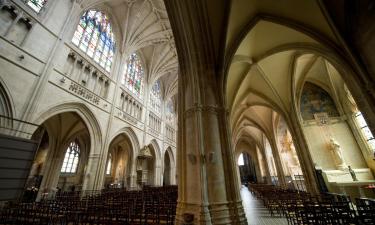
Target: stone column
207	183
91	173
278	163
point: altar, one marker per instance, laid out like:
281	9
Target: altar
340	181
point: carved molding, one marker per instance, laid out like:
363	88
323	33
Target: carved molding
213	109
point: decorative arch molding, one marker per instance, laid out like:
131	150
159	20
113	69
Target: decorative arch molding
155	146
171	156
84	113
6	101
242	130
271	106
329	50
338	62
131	135
246	140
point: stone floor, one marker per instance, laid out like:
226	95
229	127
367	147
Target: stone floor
256	213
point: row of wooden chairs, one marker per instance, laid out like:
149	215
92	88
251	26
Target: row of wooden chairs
152	205
304	208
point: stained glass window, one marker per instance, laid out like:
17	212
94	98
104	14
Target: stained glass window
71	158
133	78
94	36
36	5
155	96
109	165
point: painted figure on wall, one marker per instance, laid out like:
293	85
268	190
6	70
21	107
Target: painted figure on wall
316	100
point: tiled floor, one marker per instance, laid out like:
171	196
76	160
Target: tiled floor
256	213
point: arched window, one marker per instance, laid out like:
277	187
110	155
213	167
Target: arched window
36	5
133	78
94	37
361	122
366	132
170	111
71	159
155	96
109	165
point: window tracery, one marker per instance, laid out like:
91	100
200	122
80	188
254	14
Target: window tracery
36	5
71	158
134	73
94	37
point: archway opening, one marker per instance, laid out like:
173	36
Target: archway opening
167	169
119	163
61	159
246	165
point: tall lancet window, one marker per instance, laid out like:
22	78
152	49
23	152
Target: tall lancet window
94	37
133	77
155	96
366	132
71	158
36	5
109	165
170	111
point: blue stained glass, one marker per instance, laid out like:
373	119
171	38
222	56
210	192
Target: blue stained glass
97	33
133	78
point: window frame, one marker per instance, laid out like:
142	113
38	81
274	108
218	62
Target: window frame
108	169
41	9
126	76
106	48
155	99
361	130
73	150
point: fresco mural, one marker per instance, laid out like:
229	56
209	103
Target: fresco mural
316	100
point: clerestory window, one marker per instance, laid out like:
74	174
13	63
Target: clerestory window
95	38
155	97
133	77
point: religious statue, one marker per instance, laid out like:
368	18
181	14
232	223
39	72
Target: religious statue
337	154
352	173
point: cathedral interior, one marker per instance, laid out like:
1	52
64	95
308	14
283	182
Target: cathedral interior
187	112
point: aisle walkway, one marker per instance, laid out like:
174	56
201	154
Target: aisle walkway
256	213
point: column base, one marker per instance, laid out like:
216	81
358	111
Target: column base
218	213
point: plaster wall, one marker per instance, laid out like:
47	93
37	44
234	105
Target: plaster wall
318	140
